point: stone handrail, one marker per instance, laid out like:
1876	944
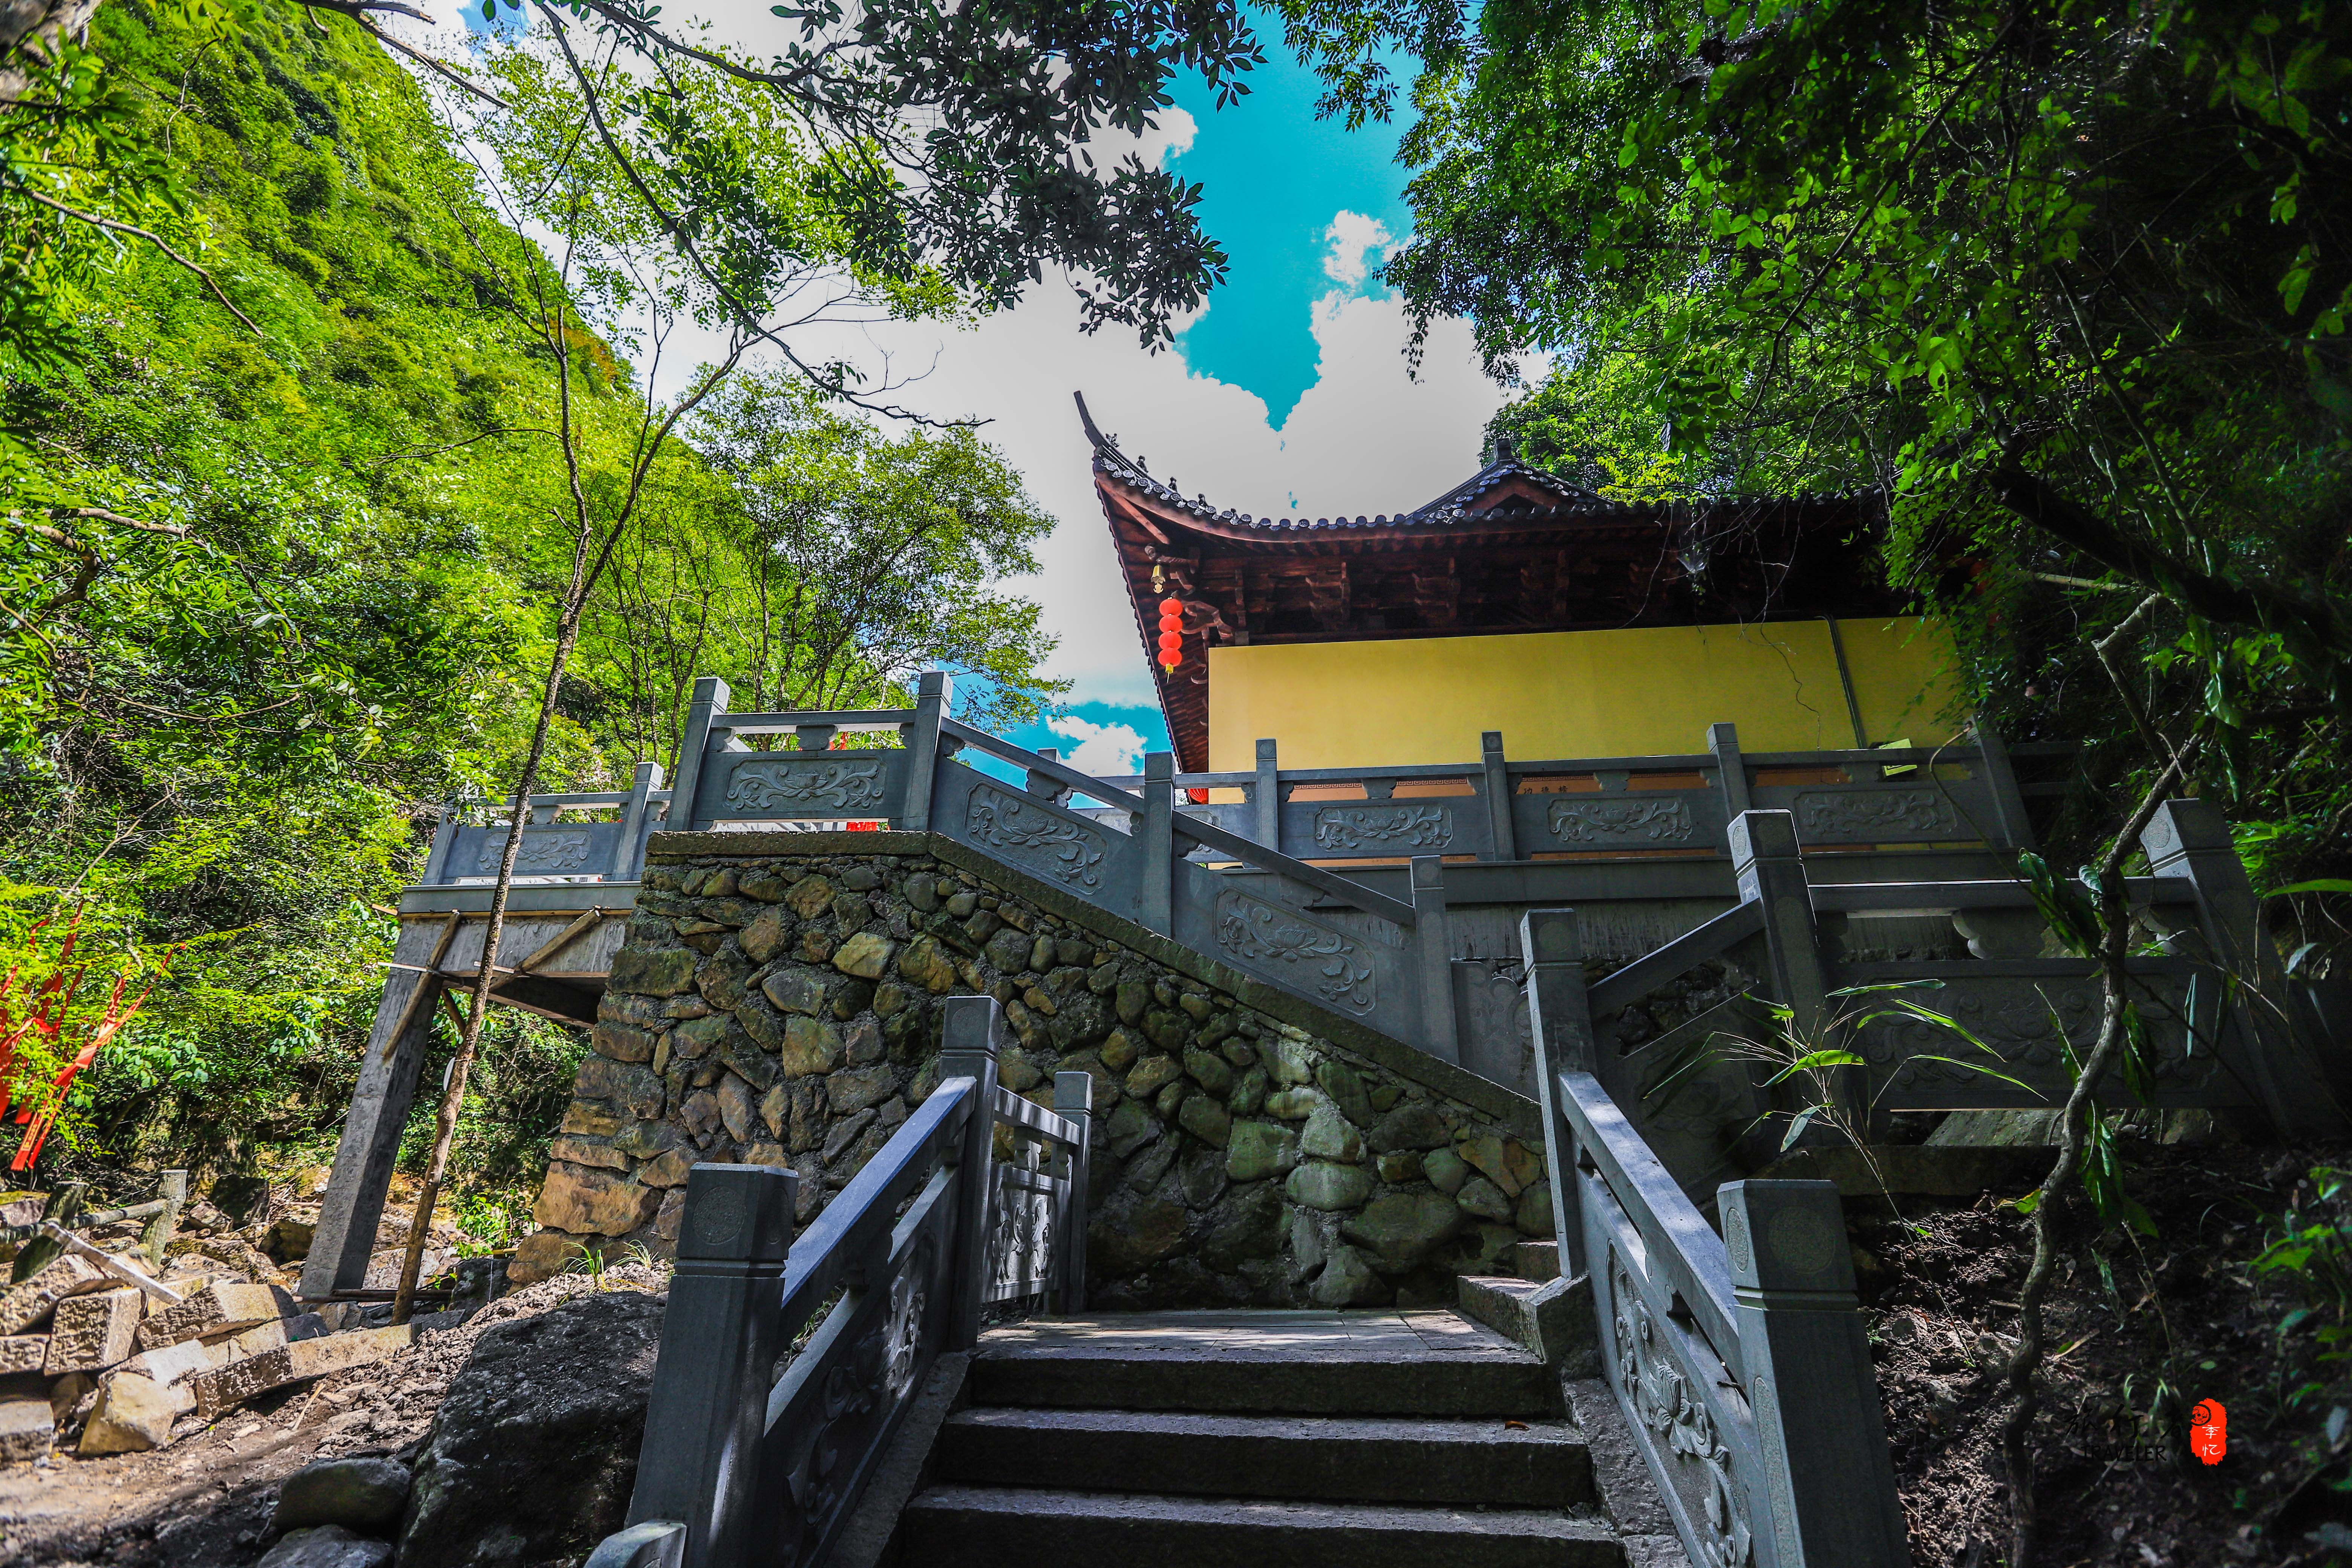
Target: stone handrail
898	1266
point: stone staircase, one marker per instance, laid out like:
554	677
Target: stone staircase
1371	1439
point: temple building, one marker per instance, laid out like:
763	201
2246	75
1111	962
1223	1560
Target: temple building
1518	603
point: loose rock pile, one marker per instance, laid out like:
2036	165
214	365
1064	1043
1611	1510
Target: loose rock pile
782	1008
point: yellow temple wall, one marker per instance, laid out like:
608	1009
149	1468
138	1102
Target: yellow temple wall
1646	691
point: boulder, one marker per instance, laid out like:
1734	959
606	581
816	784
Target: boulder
1401	1228
582	1200
533	1453
28	1424
865	955
1260	1149
1330	1135
90	1333
1321	1185
362	1493
1339	1080
25	1353
1412	1125
1483	1199
540	1256
25	1305
667	971
1206	1120
133	1414
328	1546
811	1045
1347	1280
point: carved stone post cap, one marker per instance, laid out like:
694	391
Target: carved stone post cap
974	1024
1428	873
1720	737
1550	936
1074	1091
1490	740
649	776
1159	765
1763	835
737	1214
935	683
1264	752
2182	825
1786	1235
710	689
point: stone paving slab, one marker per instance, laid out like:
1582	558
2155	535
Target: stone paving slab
1254	1334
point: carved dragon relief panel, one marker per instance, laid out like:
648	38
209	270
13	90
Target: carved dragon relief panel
1309	956
1377	827
1607	820
543	852
1868	813
1660	1391
1030	836
1019	1258
2030	1024
788	786
855	1398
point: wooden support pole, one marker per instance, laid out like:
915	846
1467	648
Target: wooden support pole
558	942
430	981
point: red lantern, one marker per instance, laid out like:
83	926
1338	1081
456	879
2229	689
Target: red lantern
1172	607
1171	646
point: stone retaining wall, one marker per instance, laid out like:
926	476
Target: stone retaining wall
778	1003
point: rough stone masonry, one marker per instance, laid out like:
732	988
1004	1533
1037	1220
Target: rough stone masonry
777	1002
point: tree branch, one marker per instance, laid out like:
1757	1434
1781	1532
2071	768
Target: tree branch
151	237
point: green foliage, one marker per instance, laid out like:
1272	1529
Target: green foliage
2311	1245
2065	285
271	598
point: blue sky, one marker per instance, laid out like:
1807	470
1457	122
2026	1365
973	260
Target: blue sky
1288	393
1273	178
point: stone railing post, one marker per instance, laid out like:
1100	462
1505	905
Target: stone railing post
2191	838
1157	902
445	842
934	693
1073	1097
1265	799
1434	958
1769	871
707	1415
1730	769
973	1032
172	1189
1830	1477
710	697
1560	1021
629	860
1502	835
2001	783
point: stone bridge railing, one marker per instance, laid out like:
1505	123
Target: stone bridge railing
787	1365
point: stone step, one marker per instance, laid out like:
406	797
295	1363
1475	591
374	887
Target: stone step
1536	1260
1484	1463
984	1527
1416	1363
1323	1380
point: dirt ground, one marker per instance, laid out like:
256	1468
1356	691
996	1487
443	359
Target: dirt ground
205	1502
2138	1330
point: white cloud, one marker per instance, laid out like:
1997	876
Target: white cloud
1105	750
1353	237
1172	138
